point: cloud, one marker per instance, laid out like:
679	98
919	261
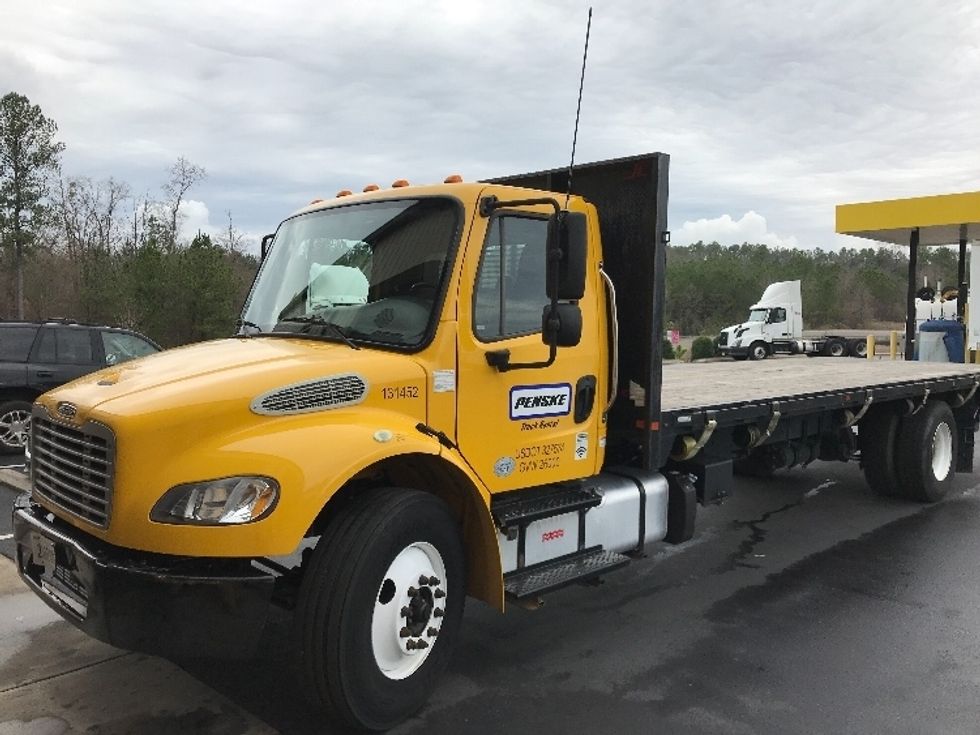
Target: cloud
784	108
751	227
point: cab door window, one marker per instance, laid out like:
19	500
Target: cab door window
510	291
777	315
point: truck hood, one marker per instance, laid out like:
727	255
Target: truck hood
220	372
738	331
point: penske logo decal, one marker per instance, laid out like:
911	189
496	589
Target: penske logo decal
533	401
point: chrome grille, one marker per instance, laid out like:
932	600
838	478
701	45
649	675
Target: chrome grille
312	395
72	467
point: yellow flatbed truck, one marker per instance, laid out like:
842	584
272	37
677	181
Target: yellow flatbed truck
436	391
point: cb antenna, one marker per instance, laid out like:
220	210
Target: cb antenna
578	109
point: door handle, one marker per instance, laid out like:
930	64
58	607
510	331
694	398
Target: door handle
584	397
45	373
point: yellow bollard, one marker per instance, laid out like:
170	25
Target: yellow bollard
893	345
871	347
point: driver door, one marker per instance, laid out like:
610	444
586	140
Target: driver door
527	426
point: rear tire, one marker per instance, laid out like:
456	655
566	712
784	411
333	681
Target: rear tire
858	348
878	436
15	426
362	578
834	348
926	452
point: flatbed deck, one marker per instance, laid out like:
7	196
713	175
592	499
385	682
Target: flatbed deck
741	391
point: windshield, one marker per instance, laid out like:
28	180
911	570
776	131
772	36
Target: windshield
370	272
757	315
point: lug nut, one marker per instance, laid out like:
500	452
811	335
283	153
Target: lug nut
404	633
438	613
423	580
438	594
420	644
434	581
410	645
412	592
406	612
432	632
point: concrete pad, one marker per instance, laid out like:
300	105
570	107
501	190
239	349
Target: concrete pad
54	679
15	478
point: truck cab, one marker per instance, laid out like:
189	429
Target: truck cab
775	324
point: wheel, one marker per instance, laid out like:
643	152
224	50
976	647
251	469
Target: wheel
15	426
379	607
926	452
877	436
834	348
858	348
758	351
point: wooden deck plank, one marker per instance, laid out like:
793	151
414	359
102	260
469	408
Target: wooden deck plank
702	385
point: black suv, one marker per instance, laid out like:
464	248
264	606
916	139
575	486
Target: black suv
38	356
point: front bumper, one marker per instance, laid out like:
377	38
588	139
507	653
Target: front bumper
726	351
154	603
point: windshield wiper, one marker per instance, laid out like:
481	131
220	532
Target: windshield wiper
245	323
311	320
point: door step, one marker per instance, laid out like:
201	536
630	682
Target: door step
581	566
509	514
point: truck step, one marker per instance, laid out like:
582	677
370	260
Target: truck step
525	510
551	575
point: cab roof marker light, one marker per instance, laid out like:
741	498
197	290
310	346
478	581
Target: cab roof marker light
399	183
372	187
453	179
314	201
344	193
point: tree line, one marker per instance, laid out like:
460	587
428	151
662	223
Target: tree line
710	286
94	251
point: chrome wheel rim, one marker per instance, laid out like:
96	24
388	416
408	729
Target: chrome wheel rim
15	426
408	610
942	451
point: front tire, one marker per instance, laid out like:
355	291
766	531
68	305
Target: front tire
926	453
15	426
758	351
379	607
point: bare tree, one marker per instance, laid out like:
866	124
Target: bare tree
183	175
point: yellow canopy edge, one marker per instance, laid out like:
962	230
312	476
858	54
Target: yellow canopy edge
942	219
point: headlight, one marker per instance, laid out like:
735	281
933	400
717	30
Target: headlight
217	502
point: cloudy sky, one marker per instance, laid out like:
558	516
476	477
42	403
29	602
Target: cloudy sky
772	112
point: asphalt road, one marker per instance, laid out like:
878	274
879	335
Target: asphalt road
803	605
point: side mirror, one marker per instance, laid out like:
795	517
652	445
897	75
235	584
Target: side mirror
266	241
568	234
561	325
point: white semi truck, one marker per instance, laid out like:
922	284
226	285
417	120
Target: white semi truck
775	325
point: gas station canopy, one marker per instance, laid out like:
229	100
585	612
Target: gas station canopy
945	219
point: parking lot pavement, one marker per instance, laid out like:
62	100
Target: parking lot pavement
54	680
803	605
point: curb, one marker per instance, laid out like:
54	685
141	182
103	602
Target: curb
16	479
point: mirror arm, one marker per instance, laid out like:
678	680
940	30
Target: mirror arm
491	203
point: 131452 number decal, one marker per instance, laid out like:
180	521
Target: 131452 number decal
391	393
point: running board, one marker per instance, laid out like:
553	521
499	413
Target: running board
581	566
511	514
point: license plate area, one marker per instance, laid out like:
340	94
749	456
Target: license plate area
53	567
